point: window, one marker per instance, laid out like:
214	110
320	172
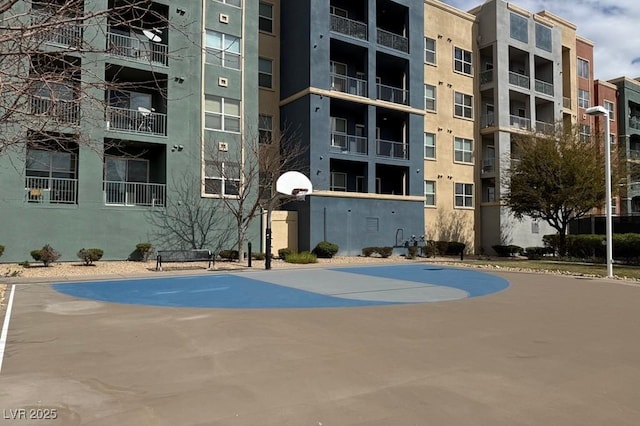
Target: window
519	27
265	128
338	181
236	3
430	145
463	105
583	98
462	61
338	12
611	108
463	150
265	73
124	182
223	49
583	68
464	195
265	17
429	51
612	138
543	37
585	132
221	114
429	192
51	176
429	97
221	178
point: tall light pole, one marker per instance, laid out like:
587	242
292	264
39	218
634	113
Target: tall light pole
600	110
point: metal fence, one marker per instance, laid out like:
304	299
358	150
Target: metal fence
349	143
136	121
349	27
48	190
396	95
134	194
136	49
394	41
392	149
62	111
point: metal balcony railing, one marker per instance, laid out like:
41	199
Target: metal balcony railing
351	85
633	188
55	30
394	41
392	149
140	121
634	122
396	95
544	87
488	120
518	79
48	190
544	127
349	27
519	122
134	194
566	102
136	49
488	165
634	154
351	144
486	76
59	110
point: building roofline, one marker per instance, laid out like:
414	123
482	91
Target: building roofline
584	40
451	9
605	84
625	79
555	18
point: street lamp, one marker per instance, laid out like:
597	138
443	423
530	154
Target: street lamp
600	110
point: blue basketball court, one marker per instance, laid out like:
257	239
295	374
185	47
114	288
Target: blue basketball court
295	288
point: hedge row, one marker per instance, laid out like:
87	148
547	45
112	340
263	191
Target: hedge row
625	246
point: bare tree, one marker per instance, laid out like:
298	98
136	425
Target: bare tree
189	221
247	176
53	77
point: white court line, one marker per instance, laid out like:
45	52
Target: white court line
5	326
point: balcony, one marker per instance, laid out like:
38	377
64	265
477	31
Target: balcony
566	102
544	127
519	80
634	122
396	95
393	41
139	121
118	193
351	144
59	110
544	87
351	85
519	122
634	154
54	29
349	27
391	149
488	120
48	190
138	50
488	165
486	76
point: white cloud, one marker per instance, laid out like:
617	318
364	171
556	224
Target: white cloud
610	24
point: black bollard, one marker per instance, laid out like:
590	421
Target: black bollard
249	250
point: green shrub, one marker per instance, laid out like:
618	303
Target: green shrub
455	248
284	252
385	251
88	256
506	251
46	255
535	253
229	254
368	251
144	251
550	242
259	256
429	249
1	250
301	258
325	249
441	247
412	251
25	264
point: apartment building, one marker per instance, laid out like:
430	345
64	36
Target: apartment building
352	83
176	86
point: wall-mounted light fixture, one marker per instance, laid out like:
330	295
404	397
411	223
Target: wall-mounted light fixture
180	11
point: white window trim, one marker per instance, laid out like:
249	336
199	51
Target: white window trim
222	52
430	193
463	151
588	68
435	57
462	61
612	112
463	106
463	195
266	17
332	186
271	61
223	115
222	180
434	99
435	150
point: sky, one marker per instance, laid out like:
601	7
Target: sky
613	26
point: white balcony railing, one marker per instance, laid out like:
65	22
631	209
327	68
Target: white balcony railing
48	190
351	85
544	127
544	87
518	79
519	122
348	27
134	194
394	41
488	165
55	30
349	143
60	111
396	95
392	149
137	49
140	121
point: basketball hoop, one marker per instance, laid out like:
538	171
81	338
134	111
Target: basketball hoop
299	193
